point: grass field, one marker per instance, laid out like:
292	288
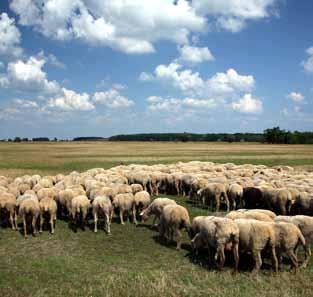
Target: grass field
132	261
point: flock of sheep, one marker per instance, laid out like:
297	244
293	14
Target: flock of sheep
269	209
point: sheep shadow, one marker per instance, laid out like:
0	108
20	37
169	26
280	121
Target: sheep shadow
170	243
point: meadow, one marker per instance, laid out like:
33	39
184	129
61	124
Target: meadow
132	261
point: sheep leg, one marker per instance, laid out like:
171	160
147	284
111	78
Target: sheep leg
84	216
12	221
111	216
294	260
107	223
218	203
15	220
34	225
221	255
178	238
134	215
41	222
307	257
274	259
258	262
121	217
52	223
236	256
95	217
24	225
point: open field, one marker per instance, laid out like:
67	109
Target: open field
51	158
132	261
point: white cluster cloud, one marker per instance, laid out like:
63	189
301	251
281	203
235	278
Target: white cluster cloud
233	15
28	76
296	97
189	82
195	55
133	26
70	101
112	99
308	64
10	37
156	103
249	105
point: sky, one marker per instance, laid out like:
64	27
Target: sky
73	68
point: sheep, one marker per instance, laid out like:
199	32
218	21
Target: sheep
260	216
136	188
79	206
48	205
252	197
235	194
197	224
220	234
174	218
155	208
216	192
288	237
255	236
267	212
102	204
141	201
8	203
29	206
305	224
46	192
279	200
124	203
303	204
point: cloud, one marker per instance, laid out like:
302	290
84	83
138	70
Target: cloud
156	103
54	61
26	103
308	64
10	37
233	15
112	99
131	26
134	26
144	76
71	101
296	97
191	83
28	76
194	55
249	105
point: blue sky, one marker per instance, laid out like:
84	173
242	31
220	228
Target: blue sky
87	67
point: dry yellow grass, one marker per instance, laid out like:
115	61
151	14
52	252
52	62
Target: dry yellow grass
50	158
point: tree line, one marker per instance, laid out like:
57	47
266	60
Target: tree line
273	135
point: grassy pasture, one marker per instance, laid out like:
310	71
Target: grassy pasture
132	261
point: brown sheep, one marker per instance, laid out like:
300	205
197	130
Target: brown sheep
288	237
235	194
29	207
233	215
305	224
174	218
8	203
136	188
79	206
255	236
102	205
155	208
48	205
124	204
219	234
141	201
214	192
